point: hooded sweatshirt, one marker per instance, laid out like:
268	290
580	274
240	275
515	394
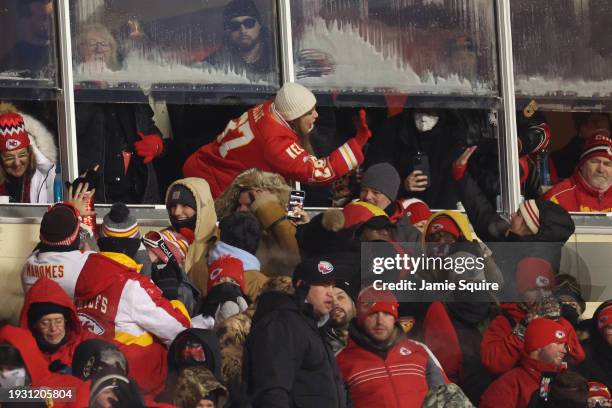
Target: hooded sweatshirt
205	233
48	291
598	363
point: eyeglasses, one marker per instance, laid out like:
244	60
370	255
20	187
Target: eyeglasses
93	44
46	323
235	25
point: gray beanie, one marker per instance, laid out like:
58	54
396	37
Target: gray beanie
119	223
382	177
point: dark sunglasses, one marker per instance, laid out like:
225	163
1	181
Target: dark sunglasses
235	25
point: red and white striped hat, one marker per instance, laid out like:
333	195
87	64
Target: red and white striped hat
531	214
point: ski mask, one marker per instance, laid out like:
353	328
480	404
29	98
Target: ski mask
424	122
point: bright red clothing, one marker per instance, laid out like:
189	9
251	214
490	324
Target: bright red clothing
117	303
501	349
514	389
49	291
261	139
398	381
575	194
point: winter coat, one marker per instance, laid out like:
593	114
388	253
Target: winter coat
514	388
405	231
556	226
452	333
62	267
48	291
37	369
399	141
395	375
287	363
598	363
196	261
104	132
261	139
125	307
575	194
501	349
44	149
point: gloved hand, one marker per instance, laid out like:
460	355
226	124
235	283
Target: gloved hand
224	300
149	147
519	329
534	140
460	165
168	278
363	131
128	396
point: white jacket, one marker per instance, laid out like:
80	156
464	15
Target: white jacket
45	154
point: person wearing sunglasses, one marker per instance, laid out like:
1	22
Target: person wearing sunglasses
246	42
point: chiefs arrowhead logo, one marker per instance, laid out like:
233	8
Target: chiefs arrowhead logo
12	144
215	274
325	267
542	281
559	334
404	351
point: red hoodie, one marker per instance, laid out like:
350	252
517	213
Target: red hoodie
501	349
514	389
36	367
49	291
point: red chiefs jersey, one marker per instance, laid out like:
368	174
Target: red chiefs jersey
261	139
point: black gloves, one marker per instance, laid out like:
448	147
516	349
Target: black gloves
167	277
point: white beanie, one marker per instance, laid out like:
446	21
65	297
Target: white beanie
293	100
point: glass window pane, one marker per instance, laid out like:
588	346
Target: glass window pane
28	151
26	49
433	47
562	47
153	44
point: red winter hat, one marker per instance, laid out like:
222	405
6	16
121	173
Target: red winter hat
600	145
358	212
599	390
13	134
443	223
417	210
372	301
604	318
542	332
176	243
226	266
534	273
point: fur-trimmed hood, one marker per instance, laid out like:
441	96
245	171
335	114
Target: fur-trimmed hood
41	137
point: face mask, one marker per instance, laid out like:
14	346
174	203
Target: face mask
12	378
189	223
425	122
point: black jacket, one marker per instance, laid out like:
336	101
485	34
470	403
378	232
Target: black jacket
556	226
104	131
400	141
598	363
287	363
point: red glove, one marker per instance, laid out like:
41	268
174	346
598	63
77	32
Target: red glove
363	132
149	147
458	171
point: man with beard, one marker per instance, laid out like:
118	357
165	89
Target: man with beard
274	136
336	330
247	43
588	189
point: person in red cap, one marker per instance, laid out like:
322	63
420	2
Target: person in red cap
418	211
588	189
545	347
380	364
503	341
599	395
598	347
27	157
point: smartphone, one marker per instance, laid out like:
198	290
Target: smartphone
296	200
420	162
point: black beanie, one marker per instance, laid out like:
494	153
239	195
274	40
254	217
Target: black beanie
569	390
240	8
59	226
127	246
93	355
179	194
241	230
39	309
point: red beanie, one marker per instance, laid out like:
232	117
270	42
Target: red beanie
226	267
604	317
542	332
13	134
599	390
358	212
443	223
417	210
175	242
534	273
600	145
372	301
